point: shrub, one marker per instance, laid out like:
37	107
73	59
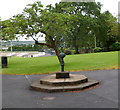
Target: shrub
115	46
72	52
97	49
67	52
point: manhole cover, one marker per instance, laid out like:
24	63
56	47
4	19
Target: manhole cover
48	98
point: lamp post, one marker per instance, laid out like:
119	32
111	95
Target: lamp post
1	44
11	47
95	41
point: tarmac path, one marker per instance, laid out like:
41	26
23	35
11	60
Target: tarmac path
16	93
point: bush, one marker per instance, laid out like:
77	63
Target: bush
72	52
67	52
97	49
115	46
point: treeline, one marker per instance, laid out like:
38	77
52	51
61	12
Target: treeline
68	51
114	47
23	47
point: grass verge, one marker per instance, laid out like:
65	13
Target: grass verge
81	62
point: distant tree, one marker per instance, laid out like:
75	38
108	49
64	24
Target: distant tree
106	29
82	15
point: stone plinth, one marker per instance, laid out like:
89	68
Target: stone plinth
62	75
75	82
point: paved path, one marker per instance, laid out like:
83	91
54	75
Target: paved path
16	93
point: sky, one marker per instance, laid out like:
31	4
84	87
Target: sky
9	8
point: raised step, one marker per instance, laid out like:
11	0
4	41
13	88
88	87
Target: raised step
73	80
47	88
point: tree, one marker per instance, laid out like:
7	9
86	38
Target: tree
105	29
82	15
35	20
7	30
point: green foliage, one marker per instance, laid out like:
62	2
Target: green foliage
115	46
106	30
73	24
36	21
8	30
72	52
97	49
68	52
82	16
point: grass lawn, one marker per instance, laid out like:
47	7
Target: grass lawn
81	62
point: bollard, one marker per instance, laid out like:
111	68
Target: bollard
4	62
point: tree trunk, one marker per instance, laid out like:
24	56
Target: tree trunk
105	49
53	46
76	50
57	53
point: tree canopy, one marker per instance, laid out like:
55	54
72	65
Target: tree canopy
75	24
